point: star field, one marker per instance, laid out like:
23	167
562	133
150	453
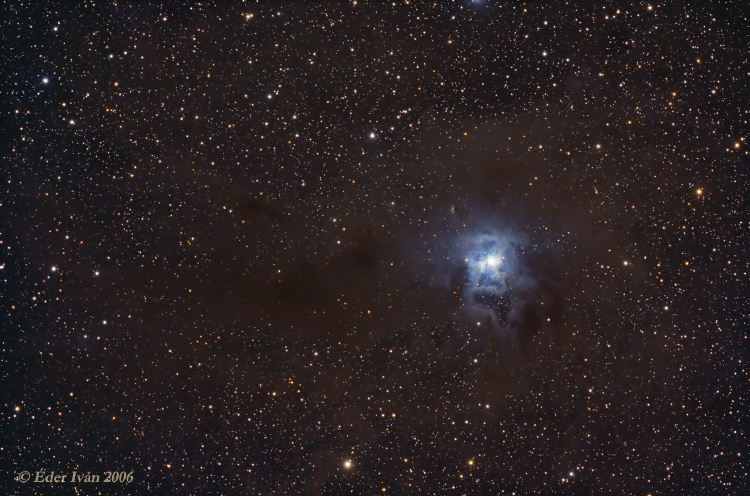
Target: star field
457	247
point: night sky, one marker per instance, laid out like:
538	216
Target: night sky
461	248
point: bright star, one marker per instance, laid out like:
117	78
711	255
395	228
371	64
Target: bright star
493	261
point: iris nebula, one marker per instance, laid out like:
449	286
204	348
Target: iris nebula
494	269
313	247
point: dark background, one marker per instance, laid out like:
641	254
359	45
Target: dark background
232	239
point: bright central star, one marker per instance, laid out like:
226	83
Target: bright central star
493	261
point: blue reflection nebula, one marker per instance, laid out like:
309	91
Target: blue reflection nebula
493	270
486	266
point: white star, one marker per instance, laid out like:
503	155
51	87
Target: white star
493	261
